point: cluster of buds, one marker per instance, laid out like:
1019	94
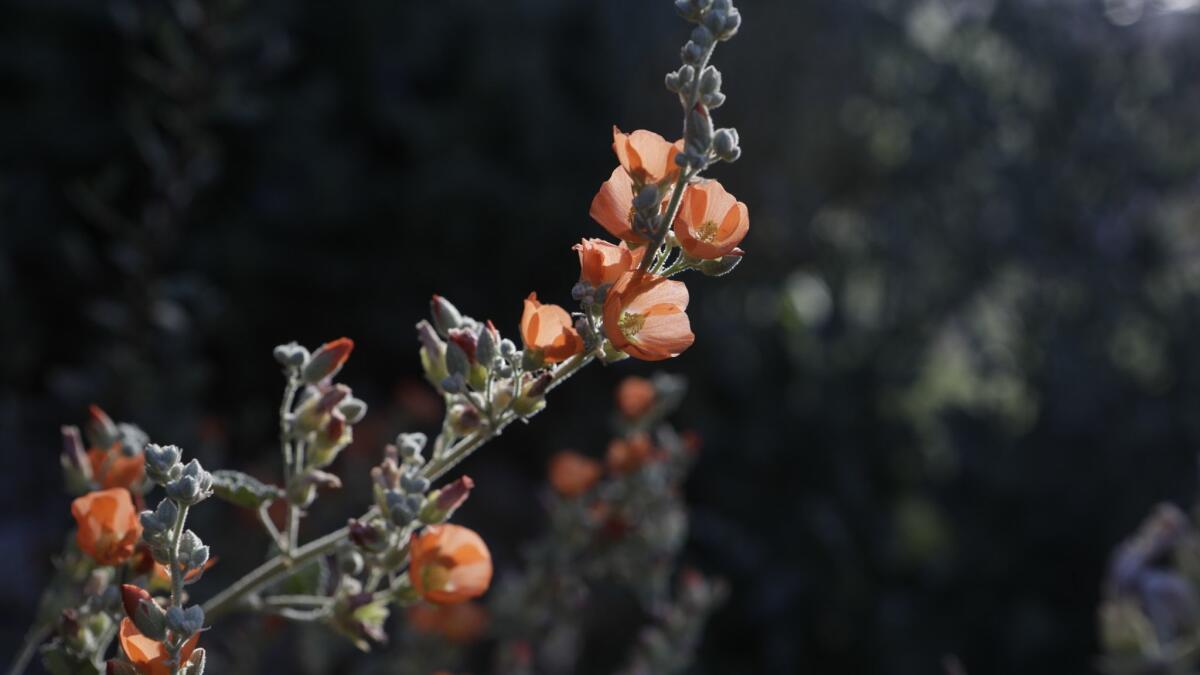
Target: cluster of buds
112	457
699	84
321	423
161	635
481	374
82	631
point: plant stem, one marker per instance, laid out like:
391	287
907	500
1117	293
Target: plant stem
177	574
271	571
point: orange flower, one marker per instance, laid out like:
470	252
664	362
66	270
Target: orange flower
635	396
449	564
612	207
648	157
147	655
112	469
108	525
711	223
461	624
645	316
162	573
629	455
572	474
603	263
550	330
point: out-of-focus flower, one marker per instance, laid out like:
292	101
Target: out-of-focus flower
711	222
449	564
648	157
635	396
147	655
108	525
112	469
626	455
645	316
603	263
548	329
573	474
461	624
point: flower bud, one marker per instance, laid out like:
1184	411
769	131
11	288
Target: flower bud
100	430
487	348
413	483
411	445
726	144
162	462
691	54
290	355
149	618
702	37
457	361
185	622
353	410
77	469
365	535
327	360
442	503
445	315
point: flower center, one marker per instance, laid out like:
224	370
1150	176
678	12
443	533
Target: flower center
707	232
436	576
630	324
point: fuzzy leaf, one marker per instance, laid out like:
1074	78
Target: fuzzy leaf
240	489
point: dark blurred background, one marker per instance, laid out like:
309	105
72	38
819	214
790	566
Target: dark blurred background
954	370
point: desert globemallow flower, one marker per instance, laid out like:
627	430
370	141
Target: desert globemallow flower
108	525
645	316
711	222
149	656
612	207
646	156
549	330
601	262
449	564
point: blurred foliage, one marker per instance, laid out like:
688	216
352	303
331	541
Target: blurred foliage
954	371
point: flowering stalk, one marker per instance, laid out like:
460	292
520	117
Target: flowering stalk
403	549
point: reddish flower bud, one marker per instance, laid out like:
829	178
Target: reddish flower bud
453	495
466	340
445	315
130	597
100	429
327	360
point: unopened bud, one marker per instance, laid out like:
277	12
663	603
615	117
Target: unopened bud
162	462
442	503
353	410
445	315
100	430
725	144
290	355
327	360
487	347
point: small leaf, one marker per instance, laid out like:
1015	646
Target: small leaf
240	489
